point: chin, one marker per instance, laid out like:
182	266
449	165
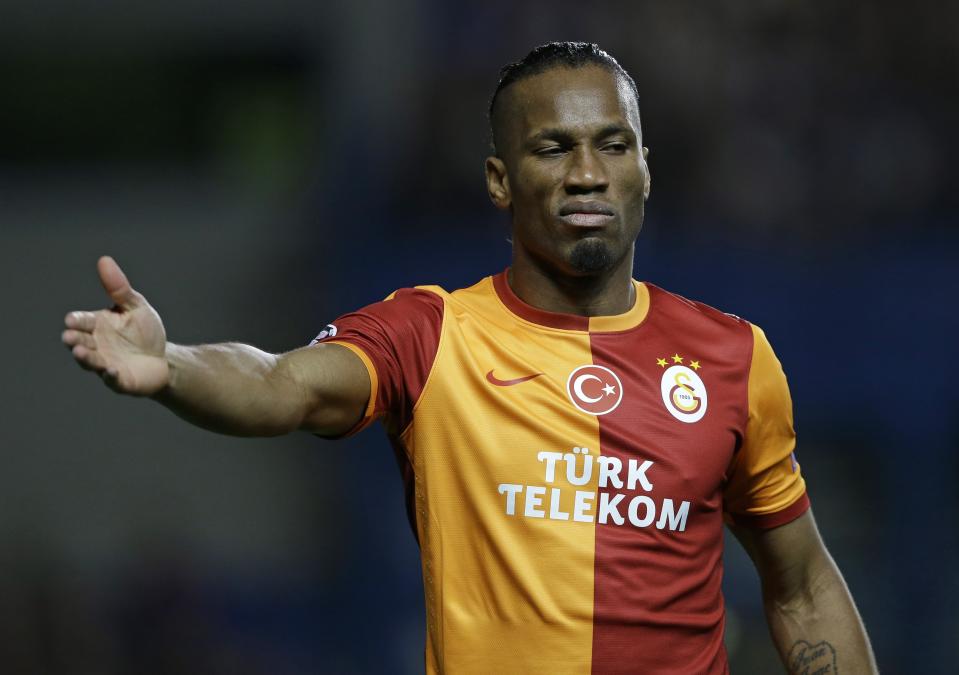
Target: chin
591	256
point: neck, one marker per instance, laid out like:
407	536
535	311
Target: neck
605	294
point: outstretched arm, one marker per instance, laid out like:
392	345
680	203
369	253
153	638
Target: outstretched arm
229	388
810	612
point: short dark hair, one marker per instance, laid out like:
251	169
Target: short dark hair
555	55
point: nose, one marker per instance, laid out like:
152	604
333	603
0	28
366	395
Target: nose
586	173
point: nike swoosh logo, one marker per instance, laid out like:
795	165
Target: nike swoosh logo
508	383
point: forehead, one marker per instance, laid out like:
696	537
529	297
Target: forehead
572	99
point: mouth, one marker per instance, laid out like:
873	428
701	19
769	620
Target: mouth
586	219
586	214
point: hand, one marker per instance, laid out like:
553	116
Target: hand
126	344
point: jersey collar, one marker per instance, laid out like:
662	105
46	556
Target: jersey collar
594	324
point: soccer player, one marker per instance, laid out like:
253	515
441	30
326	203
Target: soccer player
572	440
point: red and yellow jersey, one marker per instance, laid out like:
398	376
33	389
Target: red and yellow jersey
568	477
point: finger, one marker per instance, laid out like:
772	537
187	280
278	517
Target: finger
116	285
72	338
85	321
89	359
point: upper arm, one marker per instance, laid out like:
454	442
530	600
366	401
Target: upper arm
334	385
765	499
764	484
370	363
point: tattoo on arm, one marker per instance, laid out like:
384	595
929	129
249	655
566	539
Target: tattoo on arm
811	659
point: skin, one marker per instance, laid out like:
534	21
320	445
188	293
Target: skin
565	136
229	388
809	610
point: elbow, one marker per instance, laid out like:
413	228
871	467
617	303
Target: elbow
799	595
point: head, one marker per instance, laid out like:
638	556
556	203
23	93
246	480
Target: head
568	162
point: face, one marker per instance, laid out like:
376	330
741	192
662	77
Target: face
572	170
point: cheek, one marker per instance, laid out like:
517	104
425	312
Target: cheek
633	195
634	183
533	188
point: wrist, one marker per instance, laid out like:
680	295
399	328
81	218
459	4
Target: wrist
171	352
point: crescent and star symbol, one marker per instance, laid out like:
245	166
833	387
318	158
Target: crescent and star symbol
578	388
594	389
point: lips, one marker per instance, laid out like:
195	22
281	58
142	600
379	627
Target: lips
586	214
587	219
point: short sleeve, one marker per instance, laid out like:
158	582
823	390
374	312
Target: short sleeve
397	340
765	487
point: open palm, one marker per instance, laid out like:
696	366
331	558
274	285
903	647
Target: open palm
125	344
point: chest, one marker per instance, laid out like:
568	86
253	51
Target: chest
654	408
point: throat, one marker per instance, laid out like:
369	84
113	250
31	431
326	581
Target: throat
589	295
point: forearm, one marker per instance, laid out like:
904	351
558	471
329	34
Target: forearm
818	631
231	388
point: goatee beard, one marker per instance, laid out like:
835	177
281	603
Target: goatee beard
590	256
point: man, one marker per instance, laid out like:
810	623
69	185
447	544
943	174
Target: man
572	440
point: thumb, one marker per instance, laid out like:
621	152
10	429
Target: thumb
116	285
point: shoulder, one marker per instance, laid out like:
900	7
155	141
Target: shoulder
428	296
405	314
408	307
741	340
696	315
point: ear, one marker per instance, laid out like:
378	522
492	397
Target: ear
649	178
497	184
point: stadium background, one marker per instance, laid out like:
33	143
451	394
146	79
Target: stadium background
261	167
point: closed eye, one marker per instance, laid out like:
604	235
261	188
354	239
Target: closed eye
551	151
616	148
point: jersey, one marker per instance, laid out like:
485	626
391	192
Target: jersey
568	477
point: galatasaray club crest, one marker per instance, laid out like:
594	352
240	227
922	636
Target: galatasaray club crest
684	393
594	390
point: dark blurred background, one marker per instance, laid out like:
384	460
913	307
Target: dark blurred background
261	167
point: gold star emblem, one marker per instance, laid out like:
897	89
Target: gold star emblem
694	365
661	362
677	358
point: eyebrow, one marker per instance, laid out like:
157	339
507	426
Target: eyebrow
560	134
